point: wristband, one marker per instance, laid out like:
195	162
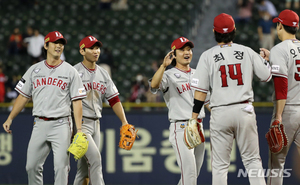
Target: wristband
197	106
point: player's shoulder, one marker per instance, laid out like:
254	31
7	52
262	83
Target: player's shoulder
284	45
101	70
78	66
37	65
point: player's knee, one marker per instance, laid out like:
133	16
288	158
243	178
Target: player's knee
33	168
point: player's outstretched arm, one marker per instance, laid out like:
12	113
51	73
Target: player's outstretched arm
19	105
77	108
156	79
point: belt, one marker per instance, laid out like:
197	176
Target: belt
91	118
199	120
242	102
48	119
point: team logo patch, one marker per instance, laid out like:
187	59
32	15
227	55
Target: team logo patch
275	68
195	82
177	75
115	89
21	83
81	91
182	125
37	70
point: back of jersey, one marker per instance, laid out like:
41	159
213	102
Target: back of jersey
285	61
227	71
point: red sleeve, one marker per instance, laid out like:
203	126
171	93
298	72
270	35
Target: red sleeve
113	101
281	86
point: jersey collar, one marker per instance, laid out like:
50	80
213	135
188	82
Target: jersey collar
91	71
183	70
53	67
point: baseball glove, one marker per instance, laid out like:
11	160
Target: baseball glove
128	135
79	146
276	137
193	134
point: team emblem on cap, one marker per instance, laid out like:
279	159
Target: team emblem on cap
47	39
82	46
174	47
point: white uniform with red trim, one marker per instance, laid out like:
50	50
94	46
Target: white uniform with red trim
98	85
52	89
179	98
227	72
285	61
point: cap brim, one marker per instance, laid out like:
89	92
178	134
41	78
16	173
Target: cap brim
63	39
188	44
98	43
275	20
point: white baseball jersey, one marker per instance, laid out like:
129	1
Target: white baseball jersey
98	85
51	89
228	69
285	61
177	93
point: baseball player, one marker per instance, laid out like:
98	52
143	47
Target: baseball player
52	84
175	85
99	86
285	62
226	70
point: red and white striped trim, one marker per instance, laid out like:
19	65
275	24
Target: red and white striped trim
89	69
54	66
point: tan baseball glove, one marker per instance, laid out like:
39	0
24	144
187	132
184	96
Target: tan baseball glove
193	135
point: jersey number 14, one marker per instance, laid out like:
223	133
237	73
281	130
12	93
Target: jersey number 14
235	73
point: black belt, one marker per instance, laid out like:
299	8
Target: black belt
91	118
199	120
242	102
48	119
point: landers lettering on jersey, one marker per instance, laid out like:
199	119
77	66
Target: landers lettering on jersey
183	88
96	86
49	81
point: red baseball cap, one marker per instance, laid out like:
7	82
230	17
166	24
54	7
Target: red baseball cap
224	23
54	36
288	18
89	41
180	42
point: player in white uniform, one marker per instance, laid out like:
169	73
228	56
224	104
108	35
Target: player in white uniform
226	70
99	86
175	85
52	84
285	61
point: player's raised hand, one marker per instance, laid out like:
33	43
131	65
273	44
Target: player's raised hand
168	58
264	53
6	126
